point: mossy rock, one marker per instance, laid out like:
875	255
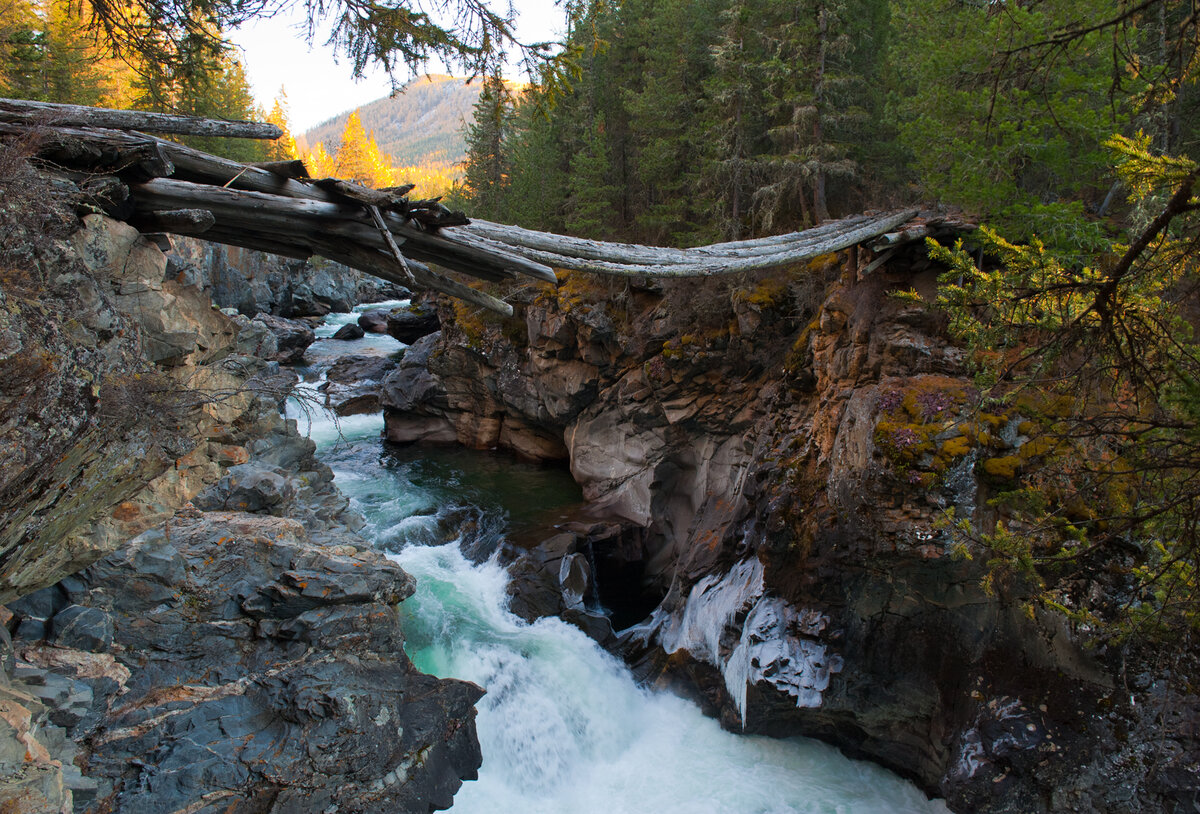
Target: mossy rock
1040	447
955	447
1004	468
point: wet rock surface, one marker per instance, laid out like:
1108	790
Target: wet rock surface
373	322
352	383
410	324
283	662
349	332
292	337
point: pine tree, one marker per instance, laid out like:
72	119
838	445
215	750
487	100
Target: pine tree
589	206
353	161
487	170
283	148
318	162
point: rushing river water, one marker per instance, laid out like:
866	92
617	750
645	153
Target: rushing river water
563	726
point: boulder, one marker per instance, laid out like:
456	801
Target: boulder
374	322
349	332
352	384
81	628
411	323
292	337
283	662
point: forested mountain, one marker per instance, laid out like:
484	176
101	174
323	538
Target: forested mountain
422	124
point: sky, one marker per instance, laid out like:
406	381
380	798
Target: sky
318	87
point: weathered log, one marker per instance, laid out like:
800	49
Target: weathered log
379	265
136	156
377	216
288	169
630	260
21	111
832	238
299	220
626	253
176	221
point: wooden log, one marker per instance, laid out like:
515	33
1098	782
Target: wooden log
300	220
288	169
258	241
20	111
138	157
827	240
632	260
379	265
175	221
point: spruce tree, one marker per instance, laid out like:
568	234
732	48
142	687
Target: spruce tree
283	148
487	166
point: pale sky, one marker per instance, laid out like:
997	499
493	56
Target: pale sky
275	54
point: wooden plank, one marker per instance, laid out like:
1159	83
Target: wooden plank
21	111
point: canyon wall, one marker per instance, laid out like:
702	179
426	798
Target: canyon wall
771	468
192	622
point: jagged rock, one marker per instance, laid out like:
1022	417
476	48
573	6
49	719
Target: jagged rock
352	383
253	282
255	338
554	578
81	628
348	332
412	323
288	671
801	585
374	322
292	337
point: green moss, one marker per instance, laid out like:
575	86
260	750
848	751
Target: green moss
955	447
769	293
1004	468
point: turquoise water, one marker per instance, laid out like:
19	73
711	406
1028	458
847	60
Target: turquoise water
563	726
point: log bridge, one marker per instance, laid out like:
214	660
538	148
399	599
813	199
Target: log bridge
160	186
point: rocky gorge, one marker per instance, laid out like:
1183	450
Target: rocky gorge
194	624
769	469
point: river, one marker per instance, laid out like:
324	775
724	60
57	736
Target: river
564	727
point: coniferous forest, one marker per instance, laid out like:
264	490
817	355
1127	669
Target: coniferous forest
694	120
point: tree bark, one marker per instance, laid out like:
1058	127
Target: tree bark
21	111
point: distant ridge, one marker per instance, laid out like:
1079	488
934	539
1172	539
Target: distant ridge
423	124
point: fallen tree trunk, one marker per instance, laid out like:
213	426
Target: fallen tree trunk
623	260
163	186
21	111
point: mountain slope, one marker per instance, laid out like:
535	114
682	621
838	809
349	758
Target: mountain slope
422	124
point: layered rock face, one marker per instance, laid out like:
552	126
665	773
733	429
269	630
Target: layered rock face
253	282
234	645
780	476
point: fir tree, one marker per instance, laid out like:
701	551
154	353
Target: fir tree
487	171
283	148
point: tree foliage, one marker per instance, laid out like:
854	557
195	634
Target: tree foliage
1111	344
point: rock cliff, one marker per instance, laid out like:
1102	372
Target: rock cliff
256	283
192	622
768	465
